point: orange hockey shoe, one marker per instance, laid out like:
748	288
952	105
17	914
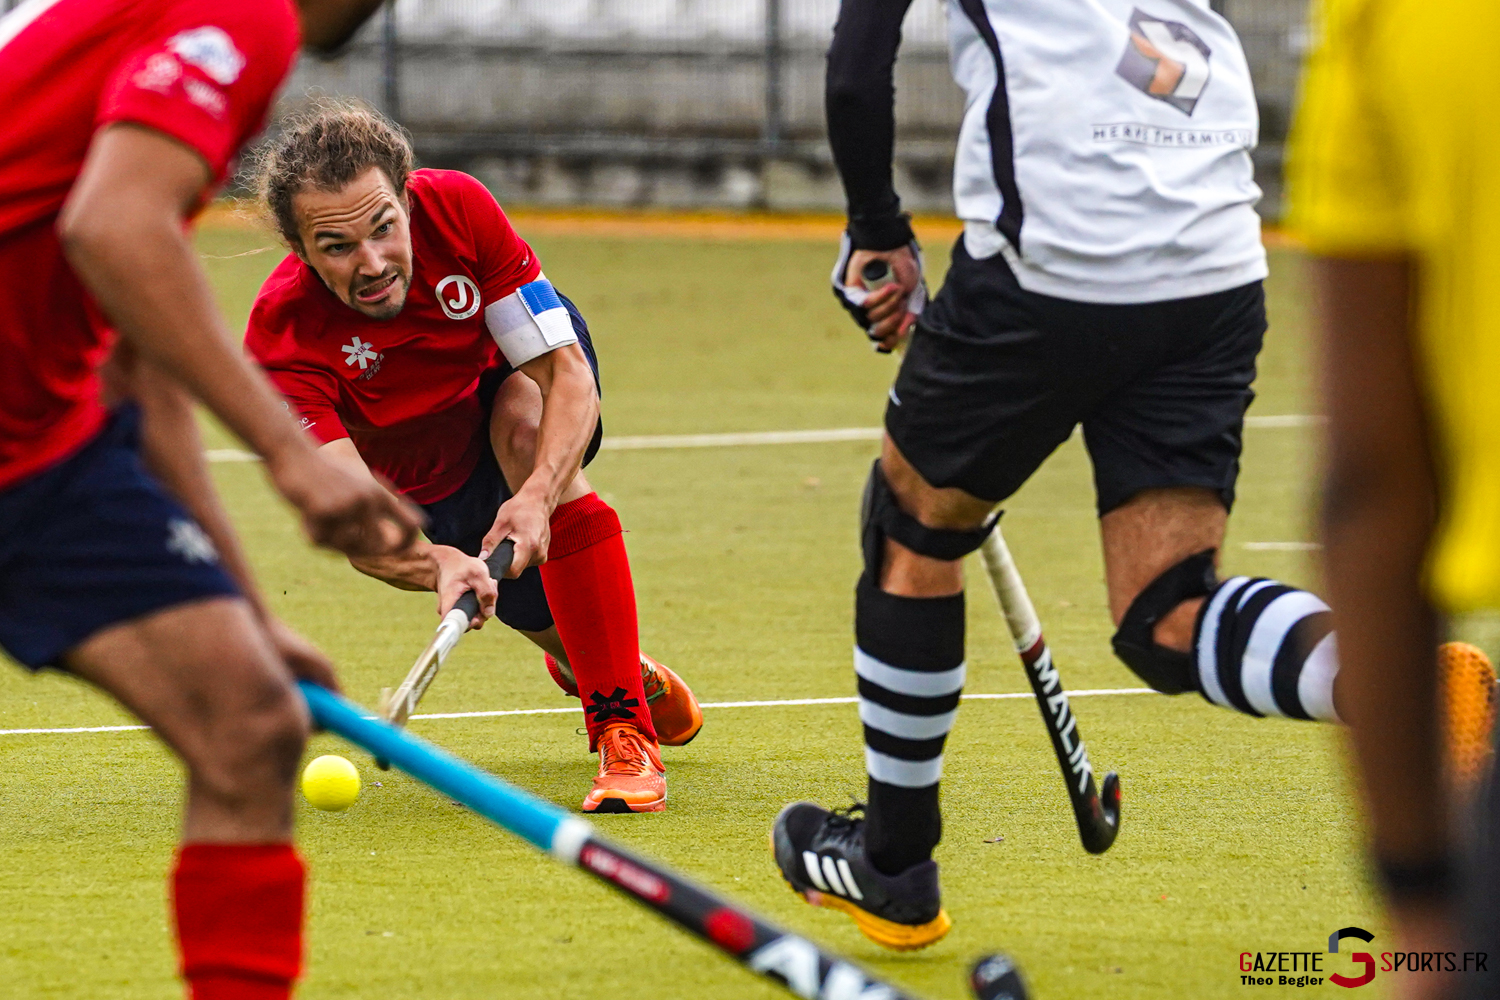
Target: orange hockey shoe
674	710
631	777
1468	699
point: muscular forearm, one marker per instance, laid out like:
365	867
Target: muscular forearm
1378	517
860	102
570	412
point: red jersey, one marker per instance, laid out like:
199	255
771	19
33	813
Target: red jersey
406	390
200	71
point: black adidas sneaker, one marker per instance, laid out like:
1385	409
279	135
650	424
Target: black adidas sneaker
821	855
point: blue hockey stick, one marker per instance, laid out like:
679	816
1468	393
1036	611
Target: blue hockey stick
786	959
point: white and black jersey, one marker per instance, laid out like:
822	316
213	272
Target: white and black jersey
1104	150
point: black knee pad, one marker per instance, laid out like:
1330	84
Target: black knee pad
523	603
1166	670
881	517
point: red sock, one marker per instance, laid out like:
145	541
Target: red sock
587	579
239	919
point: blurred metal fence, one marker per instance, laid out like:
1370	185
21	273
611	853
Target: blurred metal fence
687	102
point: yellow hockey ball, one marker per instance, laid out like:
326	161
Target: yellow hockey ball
331	782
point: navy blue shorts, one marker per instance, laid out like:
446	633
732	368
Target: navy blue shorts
464	517
94	541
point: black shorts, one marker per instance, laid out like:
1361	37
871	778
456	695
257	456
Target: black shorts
462	518
996	377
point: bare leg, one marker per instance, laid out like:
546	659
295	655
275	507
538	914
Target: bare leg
1151	533
910	574
205	678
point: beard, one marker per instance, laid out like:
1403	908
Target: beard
394	283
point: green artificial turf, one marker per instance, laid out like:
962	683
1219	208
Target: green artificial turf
1239	834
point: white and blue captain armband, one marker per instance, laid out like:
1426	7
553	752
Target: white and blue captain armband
530	322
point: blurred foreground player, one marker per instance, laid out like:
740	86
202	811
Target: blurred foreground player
416	336
117	563
1109	276
1395	184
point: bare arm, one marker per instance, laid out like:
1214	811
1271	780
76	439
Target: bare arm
570	412
123	231
1379	511
421	565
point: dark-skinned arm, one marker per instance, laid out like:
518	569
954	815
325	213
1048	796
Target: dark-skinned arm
1379	513
122	228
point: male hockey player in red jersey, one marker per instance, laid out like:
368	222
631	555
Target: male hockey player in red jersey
117	563
416	337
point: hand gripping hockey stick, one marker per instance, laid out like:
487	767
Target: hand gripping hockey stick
396	707
786	959
1098	817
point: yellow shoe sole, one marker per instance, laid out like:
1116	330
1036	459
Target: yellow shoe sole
886	933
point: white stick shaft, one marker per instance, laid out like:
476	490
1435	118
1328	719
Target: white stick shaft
1015	603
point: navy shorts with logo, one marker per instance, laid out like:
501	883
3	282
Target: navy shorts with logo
94	541
996	377
464	517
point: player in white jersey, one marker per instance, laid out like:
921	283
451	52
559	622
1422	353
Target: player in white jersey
1109	275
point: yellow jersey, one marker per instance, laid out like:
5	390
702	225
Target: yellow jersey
1396	151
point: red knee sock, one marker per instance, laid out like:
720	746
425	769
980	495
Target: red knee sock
587	579
239	919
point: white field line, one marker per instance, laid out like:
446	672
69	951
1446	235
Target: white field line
787	703
652	442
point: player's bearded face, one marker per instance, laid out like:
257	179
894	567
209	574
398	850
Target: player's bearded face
358	240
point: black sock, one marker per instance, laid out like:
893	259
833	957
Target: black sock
909	657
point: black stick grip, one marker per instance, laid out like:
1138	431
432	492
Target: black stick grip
498	562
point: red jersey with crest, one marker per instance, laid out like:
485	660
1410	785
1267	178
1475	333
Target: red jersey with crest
406	390
202	72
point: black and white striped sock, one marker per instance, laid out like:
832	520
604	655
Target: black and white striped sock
1264	648
909	658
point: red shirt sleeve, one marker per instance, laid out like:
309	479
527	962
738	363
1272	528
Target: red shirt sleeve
506	262
209	82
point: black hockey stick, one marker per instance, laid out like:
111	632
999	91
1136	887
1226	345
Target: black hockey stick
1098	816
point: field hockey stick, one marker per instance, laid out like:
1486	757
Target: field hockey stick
791	961
396	707
1098	816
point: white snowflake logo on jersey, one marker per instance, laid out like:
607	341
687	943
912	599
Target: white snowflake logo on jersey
211	50
186	539
465	296
359	350
1165	60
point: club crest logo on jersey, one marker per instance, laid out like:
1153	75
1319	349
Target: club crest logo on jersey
1165	60
159	74
458	295
211	50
